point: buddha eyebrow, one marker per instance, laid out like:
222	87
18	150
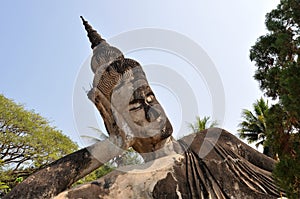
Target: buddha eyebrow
150	93
140	98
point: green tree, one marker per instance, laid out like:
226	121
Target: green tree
277	57
202	124
253	127
27	142
98	173
4	188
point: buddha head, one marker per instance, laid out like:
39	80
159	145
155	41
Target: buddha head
124	98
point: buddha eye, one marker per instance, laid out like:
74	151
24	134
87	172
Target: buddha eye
135	105
150	98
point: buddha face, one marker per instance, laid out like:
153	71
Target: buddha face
124	98
137	111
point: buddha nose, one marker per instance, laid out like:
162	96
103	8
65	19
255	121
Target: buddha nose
151	113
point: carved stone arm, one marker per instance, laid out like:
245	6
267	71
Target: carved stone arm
61	174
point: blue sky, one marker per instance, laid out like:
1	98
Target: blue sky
43	46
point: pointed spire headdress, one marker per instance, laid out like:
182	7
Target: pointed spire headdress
92	34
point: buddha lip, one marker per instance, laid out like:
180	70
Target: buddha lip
163	130
165	133
158	119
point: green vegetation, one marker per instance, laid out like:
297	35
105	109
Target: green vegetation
4	188
202	124
277	57
98	173
27	143
253	127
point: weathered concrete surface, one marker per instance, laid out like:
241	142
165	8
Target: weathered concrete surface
230	170
131	182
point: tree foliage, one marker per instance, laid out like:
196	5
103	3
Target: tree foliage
253	127
3	187
98	173
277	57
27	142
202	124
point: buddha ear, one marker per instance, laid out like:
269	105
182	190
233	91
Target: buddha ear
92	34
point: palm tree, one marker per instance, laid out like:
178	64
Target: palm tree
202	124
254	128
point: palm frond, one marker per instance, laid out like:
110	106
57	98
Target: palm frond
253	127
202	124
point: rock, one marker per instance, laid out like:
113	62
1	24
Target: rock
230	170
128	182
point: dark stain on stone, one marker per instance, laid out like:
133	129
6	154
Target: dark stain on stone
166	188
107	183
96	183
